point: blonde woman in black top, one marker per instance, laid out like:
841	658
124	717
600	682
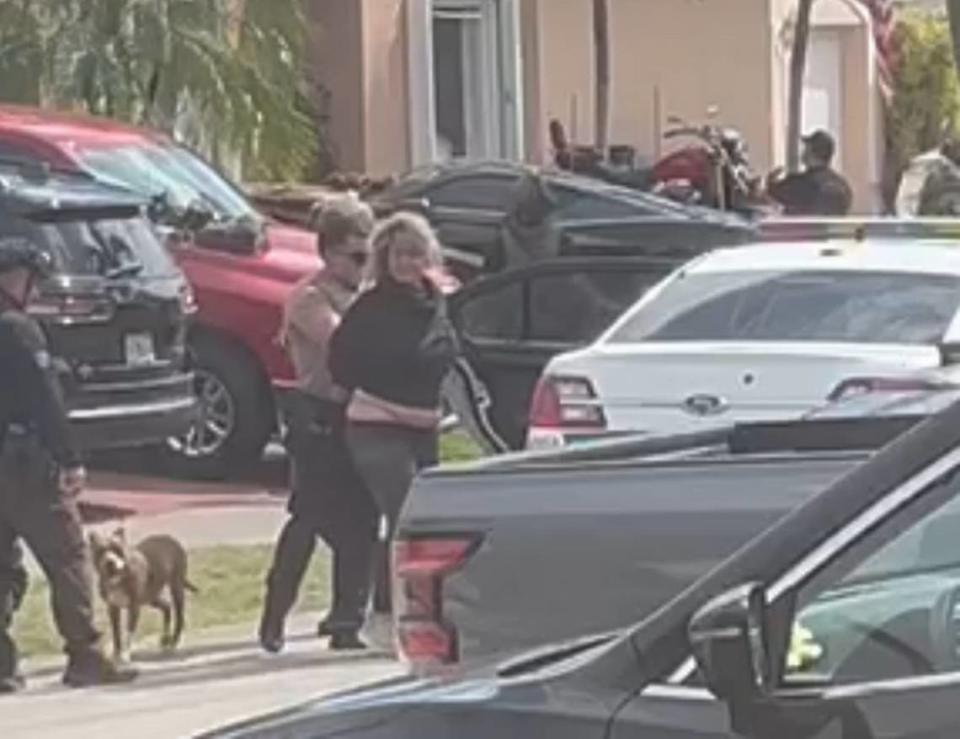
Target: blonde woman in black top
393	350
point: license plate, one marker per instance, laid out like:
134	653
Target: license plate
138	349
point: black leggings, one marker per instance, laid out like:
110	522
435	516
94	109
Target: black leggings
388	458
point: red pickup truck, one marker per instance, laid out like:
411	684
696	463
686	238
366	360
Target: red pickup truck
241	266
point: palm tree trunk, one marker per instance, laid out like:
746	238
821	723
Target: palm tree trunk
601	37
953	13
798	66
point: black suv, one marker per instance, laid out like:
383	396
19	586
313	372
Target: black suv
115	311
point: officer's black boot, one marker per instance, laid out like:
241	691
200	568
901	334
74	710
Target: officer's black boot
89	666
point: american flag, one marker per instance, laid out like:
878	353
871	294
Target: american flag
882	16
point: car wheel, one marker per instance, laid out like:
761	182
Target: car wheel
235	417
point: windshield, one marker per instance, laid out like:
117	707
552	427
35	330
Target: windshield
155	169
842	306
110	247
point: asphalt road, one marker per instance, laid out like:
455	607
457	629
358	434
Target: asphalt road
199	689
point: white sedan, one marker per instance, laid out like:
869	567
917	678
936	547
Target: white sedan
764	332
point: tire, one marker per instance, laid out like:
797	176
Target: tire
237	413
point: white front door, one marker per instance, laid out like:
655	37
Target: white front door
823	87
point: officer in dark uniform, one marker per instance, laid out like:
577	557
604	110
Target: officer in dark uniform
818	190
41	476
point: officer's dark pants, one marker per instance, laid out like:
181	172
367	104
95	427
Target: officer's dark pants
33	509
328	500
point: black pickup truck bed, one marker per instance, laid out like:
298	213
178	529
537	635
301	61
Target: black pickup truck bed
591	539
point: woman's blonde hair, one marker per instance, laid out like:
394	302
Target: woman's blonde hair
414	227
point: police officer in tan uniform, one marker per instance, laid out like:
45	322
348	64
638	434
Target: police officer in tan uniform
328	499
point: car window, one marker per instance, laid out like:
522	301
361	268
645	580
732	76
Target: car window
155	169
575	205
576	307
479	193
842	306
889	614
495	314
97	246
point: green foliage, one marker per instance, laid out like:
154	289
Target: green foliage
926	101
225	75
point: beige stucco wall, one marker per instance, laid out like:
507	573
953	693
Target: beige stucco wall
565	88
385	86
359	54
336	57
691	54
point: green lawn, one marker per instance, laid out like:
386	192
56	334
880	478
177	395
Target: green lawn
230	579
457	446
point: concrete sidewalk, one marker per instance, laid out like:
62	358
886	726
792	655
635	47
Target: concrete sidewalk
204	686
217	677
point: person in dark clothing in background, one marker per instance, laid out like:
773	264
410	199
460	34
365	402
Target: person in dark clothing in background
818	190
328	498
41	476
393	350
530	232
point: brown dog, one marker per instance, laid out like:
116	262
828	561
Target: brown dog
132	577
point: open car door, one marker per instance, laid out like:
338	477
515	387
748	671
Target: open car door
513	323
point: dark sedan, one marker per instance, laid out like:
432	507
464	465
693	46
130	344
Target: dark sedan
468	203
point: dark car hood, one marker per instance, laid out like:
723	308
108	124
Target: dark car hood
359	710
362	709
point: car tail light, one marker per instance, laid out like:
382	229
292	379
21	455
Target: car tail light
566	402
68	309
427	643
855	386
420	566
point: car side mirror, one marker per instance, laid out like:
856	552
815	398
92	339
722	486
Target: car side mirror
729	640
239	237
197	216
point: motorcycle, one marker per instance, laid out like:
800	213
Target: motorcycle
713	172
